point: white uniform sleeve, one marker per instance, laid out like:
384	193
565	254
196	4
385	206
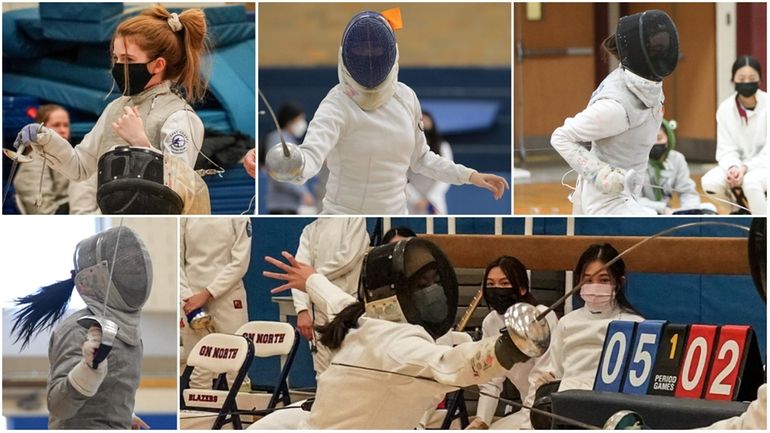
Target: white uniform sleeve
684	185
755	417
351	252
460	366
488	405
301	299
604	118
326	296
759	161
233	273
728	152
427	163
439	189
182	135
323	133
76	163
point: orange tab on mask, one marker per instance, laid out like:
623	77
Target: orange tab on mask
394	18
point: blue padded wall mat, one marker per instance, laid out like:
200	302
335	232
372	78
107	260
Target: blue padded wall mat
64	71
81	12
231	193
232	83
88	100
17	43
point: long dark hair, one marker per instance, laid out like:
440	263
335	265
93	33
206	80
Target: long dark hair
41	310
516	273
604	253
742	61
610	48
335	331
404	232
433	137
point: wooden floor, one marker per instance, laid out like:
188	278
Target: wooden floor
551	199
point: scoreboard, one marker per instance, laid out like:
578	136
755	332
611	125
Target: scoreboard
687	361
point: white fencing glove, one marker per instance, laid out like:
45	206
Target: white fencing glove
83	377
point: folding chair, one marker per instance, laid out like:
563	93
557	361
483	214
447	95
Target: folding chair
220	354
270	339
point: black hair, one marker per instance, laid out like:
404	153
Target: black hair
433	137
742	61
332	334
516	273
41	310
604	253
287	112
404	232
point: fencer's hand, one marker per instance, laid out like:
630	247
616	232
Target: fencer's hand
547	377
198	300
491	182
250	163
610	180
477	424
27	135
305	325
296	273
130	127
138	423
735	175
92	343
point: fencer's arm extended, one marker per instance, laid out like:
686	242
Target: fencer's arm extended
70	381
427	163
728	151
604	118
232	274
351	252
323	133
755	417
76	163
463	365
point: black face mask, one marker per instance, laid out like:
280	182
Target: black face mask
747	90
138	77
500	298
657	151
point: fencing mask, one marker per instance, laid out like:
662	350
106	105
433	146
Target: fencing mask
648	44
125	293
369	49
410	281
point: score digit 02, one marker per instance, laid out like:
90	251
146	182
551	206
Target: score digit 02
688	361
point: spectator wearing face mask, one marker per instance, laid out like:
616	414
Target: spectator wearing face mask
506	283
287	198
426	195
667	173
577	341
741	136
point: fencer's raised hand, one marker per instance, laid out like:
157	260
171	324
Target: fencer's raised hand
610	180
83	377
27	135
296	273
93	341
198	300
130	127
250	163
305	324
491	182
138	423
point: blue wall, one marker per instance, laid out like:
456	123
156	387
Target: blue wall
678	298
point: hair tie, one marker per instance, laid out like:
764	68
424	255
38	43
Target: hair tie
174	22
